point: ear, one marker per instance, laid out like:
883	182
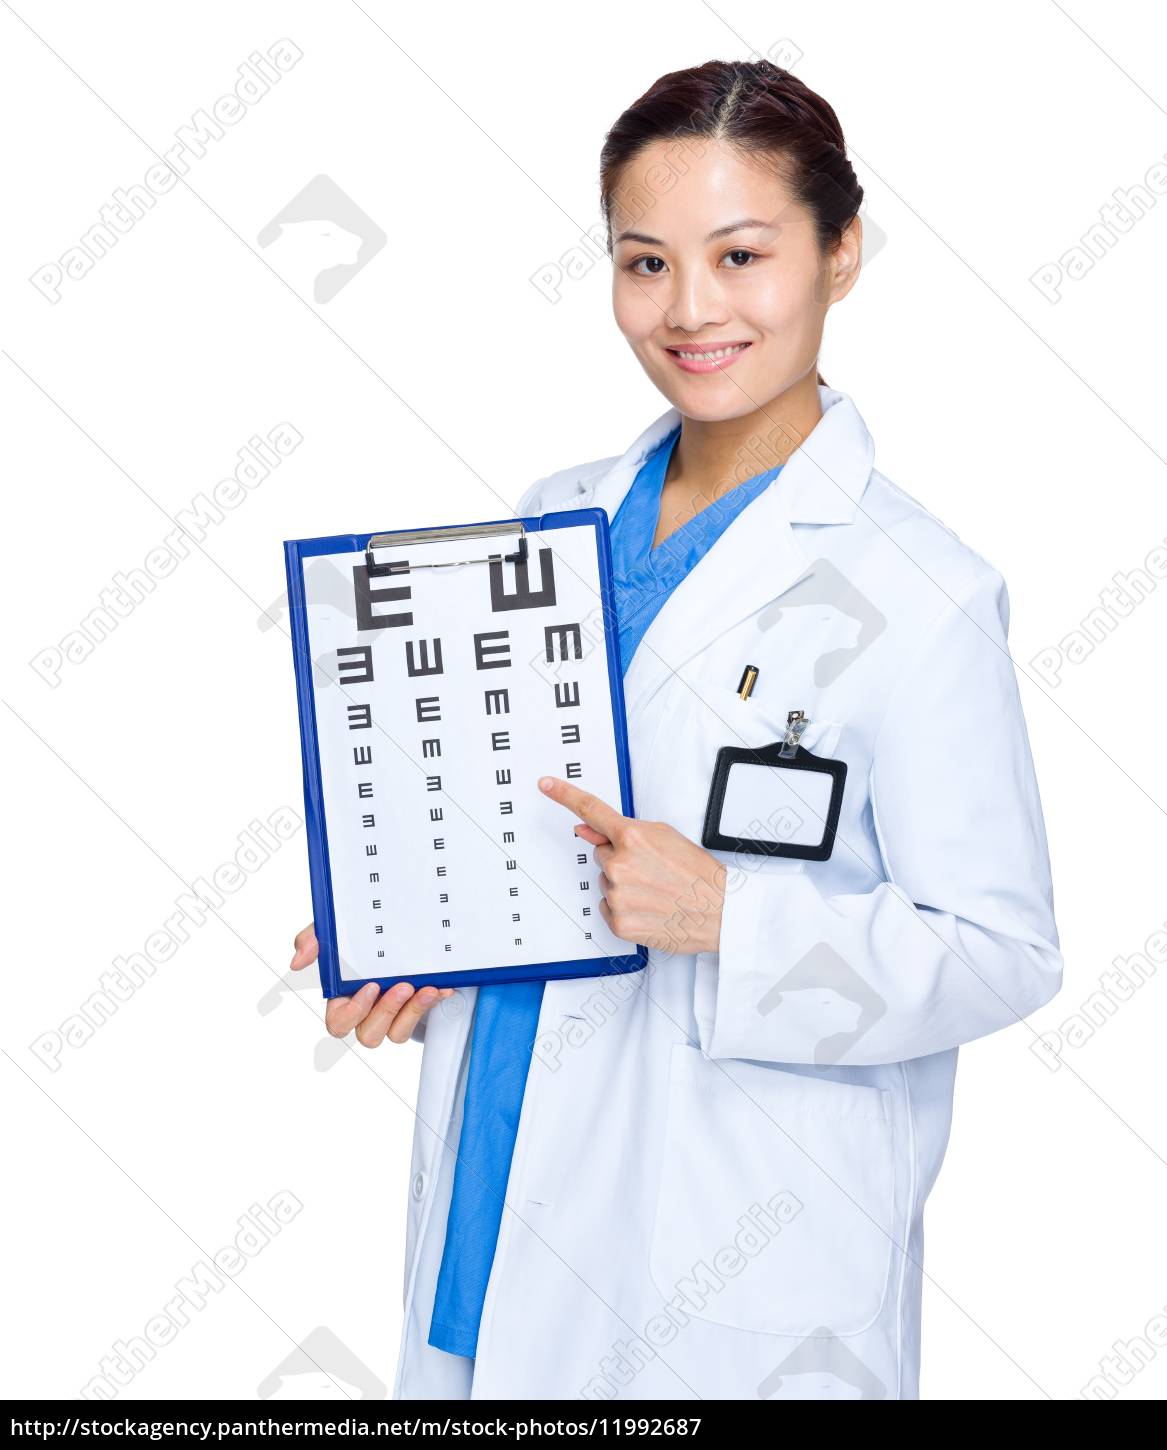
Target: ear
846	261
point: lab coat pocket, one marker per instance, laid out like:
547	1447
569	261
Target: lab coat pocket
821	737
775	1203
755	727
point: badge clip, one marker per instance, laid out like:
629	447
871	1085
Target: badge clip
796	723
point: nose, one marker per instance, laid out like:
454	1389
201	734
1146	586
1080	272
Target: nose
695	300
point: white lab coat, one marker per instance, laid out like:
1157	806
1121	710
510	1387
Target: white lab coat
721	1165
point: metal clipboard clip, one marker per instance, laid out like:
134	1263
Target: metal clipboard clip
429	536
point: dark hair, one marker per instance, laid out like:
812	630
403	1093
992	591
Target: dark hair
760	109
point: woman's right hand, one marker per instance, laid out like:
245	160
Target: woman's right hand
375	1014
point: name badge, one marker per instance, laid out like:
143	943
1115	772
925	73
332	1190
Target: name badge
774	801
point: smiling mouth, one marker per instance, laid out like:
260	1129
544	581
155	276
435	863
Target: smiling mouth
711	358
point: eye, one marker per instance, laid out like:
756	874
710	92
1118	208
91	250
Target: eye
654	271
744	256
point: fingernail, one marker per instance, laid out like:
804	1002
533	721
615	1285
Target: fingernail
368	991
401	991
545	782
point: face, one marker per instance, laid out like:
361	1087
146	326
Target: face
722	259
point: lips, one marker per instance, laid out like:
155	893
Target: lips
709	357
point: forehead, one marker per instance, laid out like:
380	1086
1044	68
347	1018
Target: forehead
685	188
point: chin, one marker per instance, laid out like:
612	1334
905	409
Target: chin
708	409
713	400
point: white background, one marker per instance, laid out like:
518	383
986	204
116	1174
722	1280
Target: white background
434	388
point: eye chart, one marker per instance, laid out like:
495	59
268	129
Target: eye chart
439	673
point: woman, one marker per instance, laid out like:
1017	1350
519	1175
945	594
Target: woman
715	1170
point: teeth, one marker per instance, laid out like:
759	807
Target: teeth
712	356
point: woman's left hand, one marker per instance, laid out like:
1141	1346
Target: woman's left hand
660	888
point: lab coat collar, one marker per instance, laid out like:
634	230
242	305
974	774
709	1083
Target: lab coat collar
821	483
759	555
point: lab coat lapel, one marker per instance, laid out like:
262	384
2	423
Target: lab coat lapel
758	557
609	490
755	559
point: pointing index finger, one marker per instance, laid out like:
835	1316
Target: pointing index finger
589	808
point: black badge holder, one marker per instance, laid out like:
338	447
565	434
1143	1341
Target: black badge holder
785	754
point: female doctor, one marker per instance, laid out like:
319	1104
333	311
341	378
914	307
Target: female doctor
706	1180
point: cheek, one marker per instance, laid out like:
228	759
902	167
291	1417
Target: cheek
785	312
635	314
784	303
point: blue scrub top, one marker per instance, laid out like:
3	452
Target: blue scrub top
506	1017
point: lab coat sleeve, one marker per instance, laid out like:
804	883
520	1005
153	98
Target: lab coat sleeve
959	937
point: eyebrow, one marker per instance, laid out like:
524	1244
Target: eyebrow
712	237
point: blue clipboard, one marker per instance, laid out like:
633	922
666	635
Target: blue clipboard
298	552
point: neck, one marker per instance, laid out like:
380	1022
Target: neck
712	457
